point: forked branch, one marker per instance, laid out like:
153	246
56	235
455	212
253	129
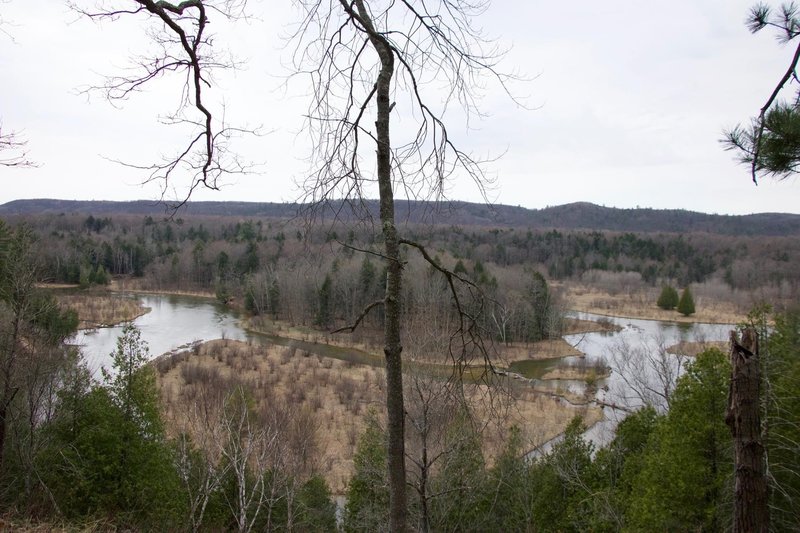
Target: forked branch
184	47
13	150
364	312
468	334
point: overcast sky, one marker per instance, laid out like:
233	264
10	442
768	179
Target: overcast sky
628	102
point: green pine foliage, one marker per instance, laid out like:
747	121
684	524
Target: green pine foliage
367	506
668	299
507	493
455	492
316	511
109	454
662	472
686	303
781	360
686	470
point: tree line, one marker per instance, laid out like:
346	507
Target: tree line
76	448
195	253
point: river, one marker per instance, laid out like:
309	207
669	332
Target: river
634	352
173	321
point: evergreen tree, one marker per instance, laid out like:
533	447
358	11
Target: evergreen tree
317	512
560	483
32	357
508	498
367	506
616	467
101	276
456	492
274	298
325	303
782	406
109	455
540	308
770	145
686	303
668	299
687	462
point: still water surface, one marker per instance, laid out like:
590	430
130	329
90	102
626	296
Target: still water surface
175	321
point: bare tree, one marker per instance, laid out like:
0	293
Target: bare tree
13	147
13	150
181	35
199	455
441	427
362	53
362	56
247	447
648	371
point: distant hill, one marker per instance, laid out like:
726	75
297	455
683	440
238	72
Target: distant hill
580	215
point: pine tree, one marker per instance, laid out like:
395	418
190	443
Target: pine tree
367	506
686	303
684	480
668	298
324	309
274	297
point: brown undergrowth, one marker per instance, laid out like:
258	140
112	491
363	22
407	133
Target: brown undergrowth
692	349
588	371
338	395
101	310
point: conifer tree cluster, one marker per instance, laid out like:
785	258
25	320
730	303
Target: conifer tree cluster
669	299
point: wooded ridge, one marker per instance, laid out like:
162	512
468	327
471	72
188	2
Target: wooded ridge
579	215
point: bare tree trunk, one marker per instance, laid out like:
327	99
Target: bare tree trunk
392	305
751	504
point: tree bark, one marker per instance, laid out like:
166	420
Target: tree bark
751	504
392	306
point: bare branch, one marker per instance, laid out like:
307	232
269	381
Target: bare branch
184	48
438	42
13	150
467	336
352	327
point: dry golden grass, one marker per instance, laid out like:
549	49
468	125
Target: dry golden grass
363	339
692	349
642	304
546	349
338	395
141	285
574	326
98	310
587	373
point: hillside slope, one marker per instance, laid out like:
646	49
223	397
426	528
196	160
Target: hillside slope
579	215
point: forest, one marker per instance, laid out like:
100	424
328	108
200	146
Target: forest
137	447
388	370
